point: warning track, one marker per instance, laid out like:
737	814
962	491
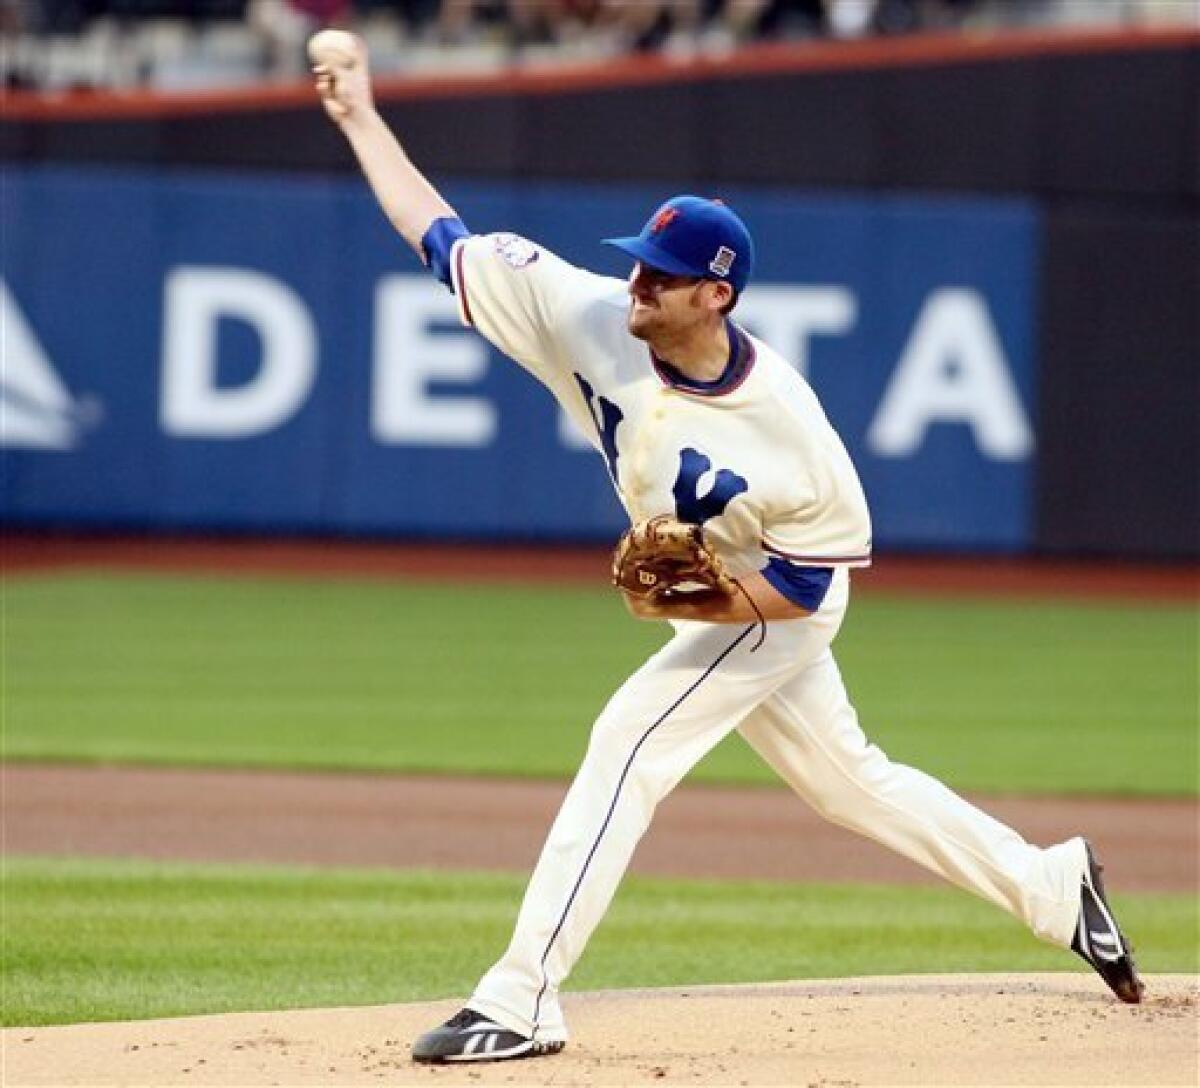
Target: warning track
1022	578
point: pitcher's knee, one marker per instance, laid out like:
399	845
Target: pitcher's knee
839	794
614	730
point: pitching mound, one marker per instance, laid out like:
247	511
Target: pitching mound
956	1029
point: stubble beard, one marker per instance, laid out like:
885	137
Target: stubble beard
642	325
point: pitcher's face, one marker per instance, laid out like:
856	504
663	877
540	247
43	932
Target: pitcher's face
661	303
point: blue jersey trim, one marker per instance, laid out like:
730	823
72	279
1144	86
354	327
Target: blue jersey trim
805	586
737	367
437	243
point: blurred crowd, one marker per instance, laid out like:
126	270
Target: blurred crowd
60	45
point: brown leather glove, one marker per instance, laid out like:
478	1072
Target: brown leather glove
664	557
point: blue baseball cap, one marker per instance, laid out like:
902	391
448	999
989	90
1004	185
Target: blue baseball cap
692	236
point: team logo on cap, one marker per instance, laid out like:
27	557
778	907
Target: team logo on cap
664	219
723	261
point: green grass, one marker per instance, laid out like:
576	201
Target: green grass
102	940
986	694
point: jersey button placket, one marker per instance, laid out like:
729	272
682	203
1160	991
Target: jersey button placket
647	445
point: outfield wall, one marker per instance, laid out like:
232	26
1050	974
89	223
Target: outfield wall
208	325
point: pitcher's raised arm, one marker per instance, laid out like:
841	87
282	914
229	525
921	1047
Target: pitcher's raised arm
343	82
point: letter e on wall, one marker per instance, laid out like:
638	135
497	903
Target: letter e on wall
410	356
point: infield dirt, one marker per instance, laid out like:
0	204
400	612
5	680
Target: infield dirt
405	821
923	1030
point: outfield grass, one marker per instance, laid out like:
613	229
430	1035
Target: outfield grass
506	680
105	940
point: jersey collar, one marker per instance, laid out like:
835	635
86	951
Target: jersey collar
741	361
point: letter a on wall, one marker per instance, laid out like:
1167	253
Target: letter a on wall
953	370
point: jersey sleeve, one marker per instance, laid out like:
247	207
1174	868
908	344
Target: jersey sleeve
519	296
819	517
831	531
805	586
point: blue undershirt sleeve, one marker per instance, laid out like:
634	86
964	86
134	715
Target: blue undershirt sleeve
437	243
805	586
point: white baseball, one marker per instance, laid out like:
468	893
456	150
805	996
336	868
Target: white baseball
334	48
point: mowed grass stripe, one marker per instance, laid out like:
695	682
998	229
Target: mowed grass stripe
987	694
108	940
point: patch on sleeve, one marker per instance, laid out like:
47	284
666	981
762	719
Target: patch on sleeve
515	250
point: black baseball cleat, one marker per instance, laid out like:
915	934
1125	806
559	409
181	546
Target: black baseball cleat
1100	941
472	1037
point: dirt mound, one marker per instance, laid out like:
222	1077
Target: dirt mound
924	1030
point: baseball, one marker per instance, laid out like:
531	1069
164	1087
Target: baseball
333	48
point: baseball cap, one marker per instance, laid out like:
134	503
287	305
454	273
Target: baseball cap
693	236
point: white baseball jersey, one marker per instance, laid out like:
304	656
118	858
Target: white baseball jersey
751	457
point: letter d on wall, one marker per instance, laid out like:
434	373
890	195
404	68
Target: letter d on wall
193	405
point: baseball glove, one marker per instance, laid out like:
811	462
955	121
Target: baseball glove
664	557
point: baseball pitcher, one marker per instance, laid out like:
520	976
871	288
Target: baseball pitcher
747	518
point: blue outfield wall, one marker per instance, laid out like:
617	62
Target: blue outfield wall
253	352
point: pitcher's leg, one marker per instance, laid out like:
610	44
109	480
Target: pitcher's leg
653	731
809	733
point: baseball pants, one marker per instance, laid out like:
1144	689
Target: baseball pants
787	699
